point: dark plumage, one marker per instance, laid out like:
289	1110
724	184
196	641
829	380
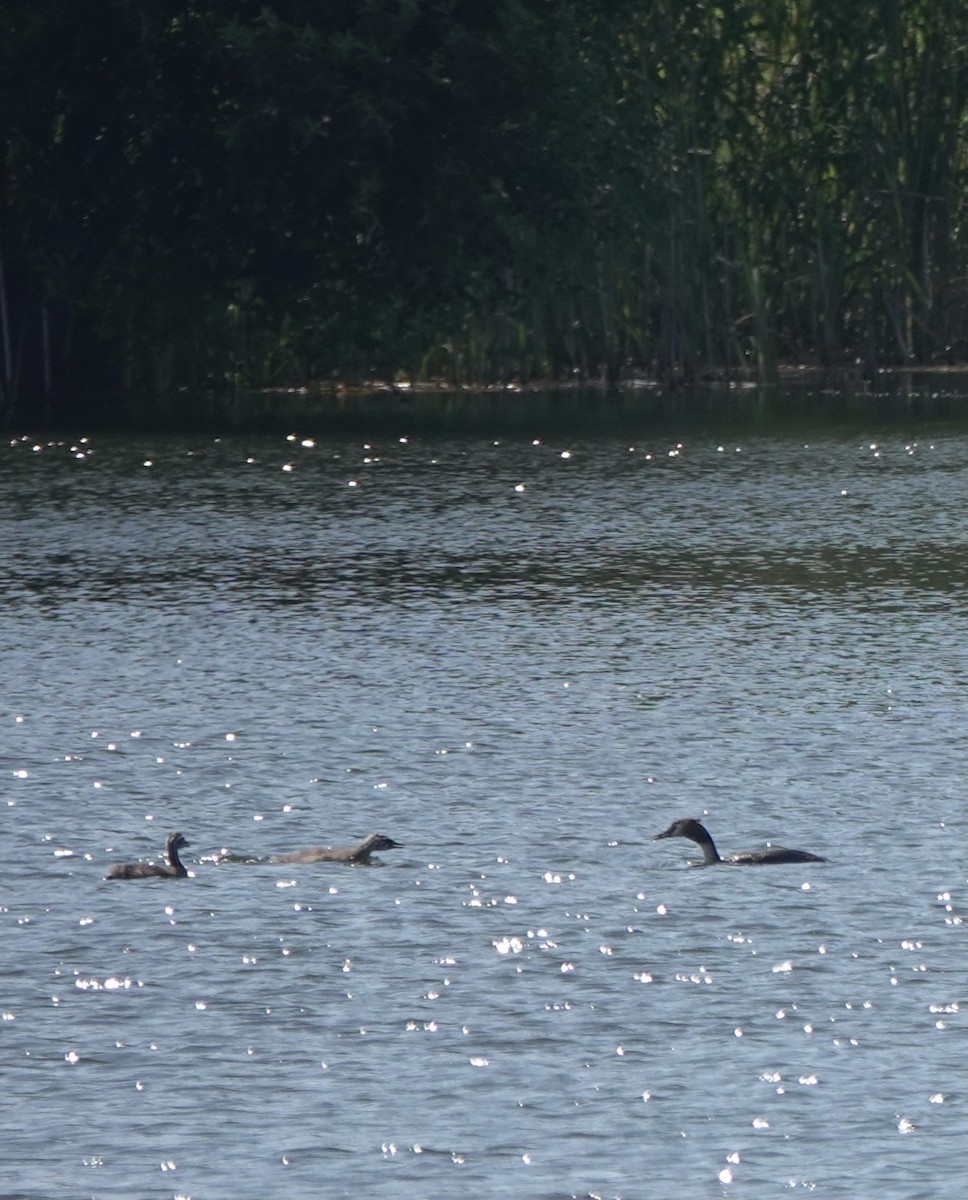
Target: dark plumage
138	870
351	855
688	828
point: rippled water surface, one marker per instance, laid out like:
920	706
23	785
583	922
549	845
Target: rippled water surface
520	658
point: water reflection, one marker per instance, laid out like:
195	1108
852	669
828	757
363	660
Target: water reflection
447	524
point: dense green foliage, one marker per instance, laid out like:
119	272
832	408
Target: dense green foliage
212	193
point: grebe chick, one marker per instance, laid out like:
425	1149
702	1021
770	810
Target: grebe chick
351	855
698	833
174	869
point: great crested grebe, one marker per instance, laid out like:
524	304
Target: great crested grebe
351	855
173	870
688	828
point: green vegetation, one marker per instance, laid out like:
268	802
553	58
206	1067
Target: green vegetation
218	194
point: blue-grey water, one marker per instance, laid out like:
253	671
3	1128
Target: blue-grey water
521	657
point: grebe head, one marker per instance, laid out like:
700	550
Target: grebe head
379	841
685	827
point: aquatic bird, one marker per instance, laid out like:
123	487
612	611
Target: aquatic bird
351	855
698	833
174	869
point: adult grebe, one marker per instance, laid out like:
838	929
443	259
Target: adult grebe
174	869
688	828
351	855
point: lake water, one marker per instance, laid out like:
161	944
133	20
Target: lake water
521	656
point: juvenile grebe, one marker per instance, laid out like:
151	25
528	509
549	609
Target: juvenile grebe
174	869
352	855
688	828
